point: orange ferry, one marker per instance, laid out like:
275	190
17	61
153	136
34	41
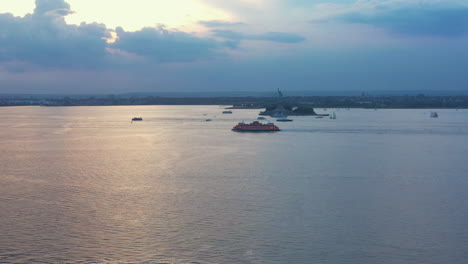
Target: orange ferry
255	126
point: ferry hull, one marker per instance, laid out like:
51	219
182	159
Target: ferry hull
254	130
255	126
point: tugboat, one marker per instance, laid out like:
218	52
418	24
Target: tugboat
255	126
137	119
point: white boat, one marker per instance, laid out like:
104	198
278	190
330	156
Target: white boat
333	116
434	115
279	115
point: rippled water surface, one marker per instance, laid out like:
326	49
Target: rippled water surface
85	185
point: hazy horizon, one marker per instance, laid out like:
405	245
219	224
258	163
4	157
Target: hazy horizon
271	93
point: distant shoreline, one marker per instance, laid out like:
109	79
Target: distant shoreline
401	108
365	102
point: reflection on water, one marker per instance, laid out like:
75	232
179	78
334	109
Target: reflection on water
84	184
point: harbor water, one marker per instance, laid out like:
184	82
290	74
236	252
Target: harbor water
88	185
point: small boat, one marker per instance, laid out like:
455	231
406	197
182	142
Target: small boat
333	116
137	119
227	112
319	117
434	115
208	120
284	120
279	115
261	118
255	126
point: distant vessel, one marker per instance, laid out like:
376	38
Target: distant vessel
279	115
137	119
208	120
261	118
227	112
255	126
434	115
333	116
284	120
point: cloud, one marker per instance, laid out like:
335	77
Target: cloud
44	7
43	38
219	23
280	37
418	18
163	45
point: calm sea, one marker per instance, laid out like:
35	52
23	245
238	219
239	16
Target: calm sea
85	185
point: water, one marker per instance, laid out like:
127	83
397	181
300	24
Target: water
85	185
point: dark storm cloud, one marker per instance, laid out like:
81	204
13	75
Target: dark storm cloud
444	19
280	37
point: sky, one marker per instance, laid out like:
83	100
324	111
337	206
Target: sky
108	46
